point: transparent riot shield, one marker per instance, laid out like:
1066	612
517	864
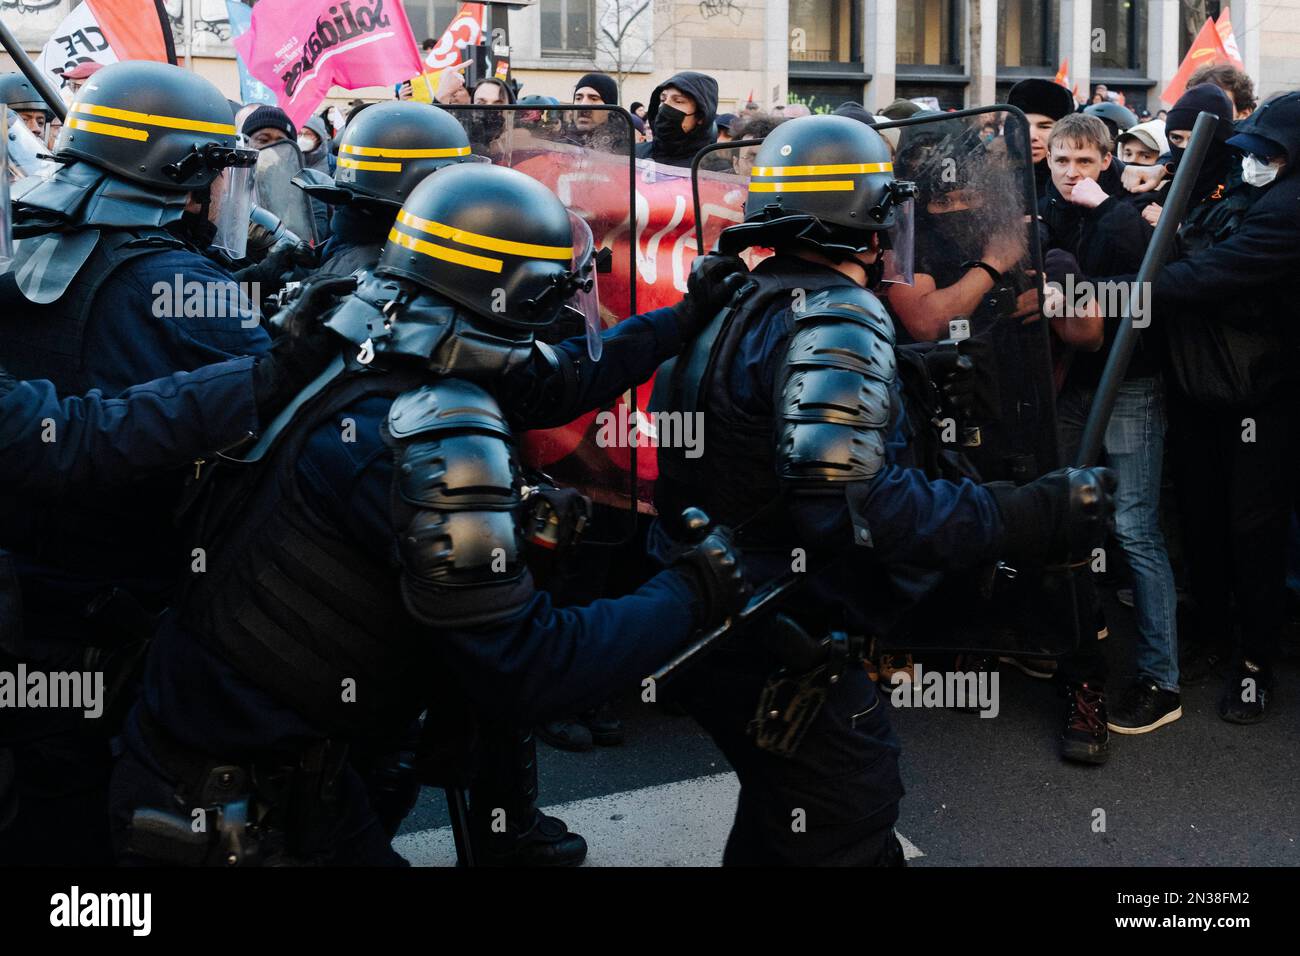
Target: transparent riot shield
277	164
978	275
6	231
585	156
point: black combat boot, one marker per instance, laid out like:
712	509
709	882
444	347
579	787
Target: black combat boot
505	824
1085	738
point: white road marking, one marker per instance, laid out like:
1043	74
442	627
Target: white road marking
674	824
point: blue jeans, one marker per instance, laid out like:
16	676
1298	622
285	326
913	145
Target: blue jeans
1134	447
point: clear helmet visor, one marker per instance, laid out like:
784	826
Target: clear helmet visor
231	205
585	300
901	245
24	151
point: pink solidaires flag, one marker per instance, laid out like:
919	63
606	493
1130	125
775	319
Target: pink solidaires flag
300	48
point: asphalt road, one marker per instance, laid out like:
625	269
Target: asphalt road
1198	792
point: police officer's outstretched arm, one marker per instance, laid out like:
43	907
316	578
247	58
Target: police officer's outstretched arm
562	382
463	576
51	446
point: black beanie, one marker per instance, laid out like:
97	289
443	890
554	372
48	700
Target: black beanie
602	84
1204	98
1044	97
269	117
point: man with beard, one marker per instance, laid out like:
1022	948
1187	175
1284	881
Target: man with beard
681	114
589	128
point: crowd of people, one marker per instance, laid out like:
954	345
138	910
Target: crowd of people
263	625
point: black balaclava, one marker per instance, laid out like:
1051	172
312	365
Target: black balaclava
1210	99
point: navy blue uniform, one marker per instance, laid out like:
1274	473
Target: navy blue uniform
843	776
540	662
68	554
50	447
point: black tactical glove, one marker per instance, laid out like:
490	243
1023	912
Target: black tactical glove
715	564
303	348
1060	517
713	281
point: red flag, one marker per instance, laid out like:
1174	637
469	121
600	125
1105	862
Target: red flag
1206	48
465	30
136	29
1223	26
1063	74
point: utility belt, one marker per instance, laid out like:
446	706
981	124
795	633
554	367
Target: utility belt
812	662
267	813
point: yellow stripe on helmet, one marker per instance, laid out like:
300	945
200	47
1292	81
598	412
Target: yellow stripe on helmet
822	186
832	169
153	119
108	129
348	163
490	243
440	152
443	252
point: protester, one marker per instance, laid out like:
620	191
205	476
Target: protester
75	78
1239	87
681	114
1108	236
751	126
492	92
268	124
1043	102
1144	144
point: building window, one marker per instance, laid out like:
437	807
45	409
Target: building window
429	18
930	32
1028	32
1119	35
568	27
826	31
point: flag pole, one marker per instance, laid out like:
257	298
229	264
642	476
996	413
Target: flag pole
187	26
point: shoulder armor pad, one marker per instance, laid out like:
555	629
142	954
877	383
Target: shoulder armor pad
446	405
835	404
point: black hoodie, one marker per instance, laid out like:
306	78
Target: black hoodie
703	90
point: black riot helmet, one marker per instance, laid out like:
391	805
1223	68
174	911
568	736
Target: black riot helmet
1118	119
490	239
387	150
17	92
154	124
824	181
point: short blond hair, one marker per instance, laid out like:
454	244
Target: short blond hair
1080	130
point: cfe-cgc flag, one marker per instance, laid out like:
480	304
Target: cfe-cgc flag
465	30
302	49
106	31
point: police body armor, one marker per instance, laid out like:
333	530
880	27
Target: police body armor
303	613
827	428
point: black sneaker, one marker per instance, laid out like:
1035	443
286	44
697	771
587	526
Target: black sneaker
1085	738
1144	707
1246	694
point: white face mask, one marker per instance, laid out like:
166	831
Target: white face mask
1256	172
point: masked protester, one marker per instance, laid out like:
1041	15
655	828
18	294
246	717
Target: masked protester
822	478
450	612
1224	306
313	141
681	115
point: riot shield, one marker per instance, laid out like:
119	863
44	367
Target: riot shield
584	155
975	216
277	164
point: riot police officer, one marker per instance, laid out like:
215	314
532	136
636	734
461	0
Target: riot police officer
803	430
384	154
107	290
17	93
371	560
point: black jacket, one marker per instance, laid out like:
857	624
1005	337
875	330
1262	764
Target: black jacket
703	90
